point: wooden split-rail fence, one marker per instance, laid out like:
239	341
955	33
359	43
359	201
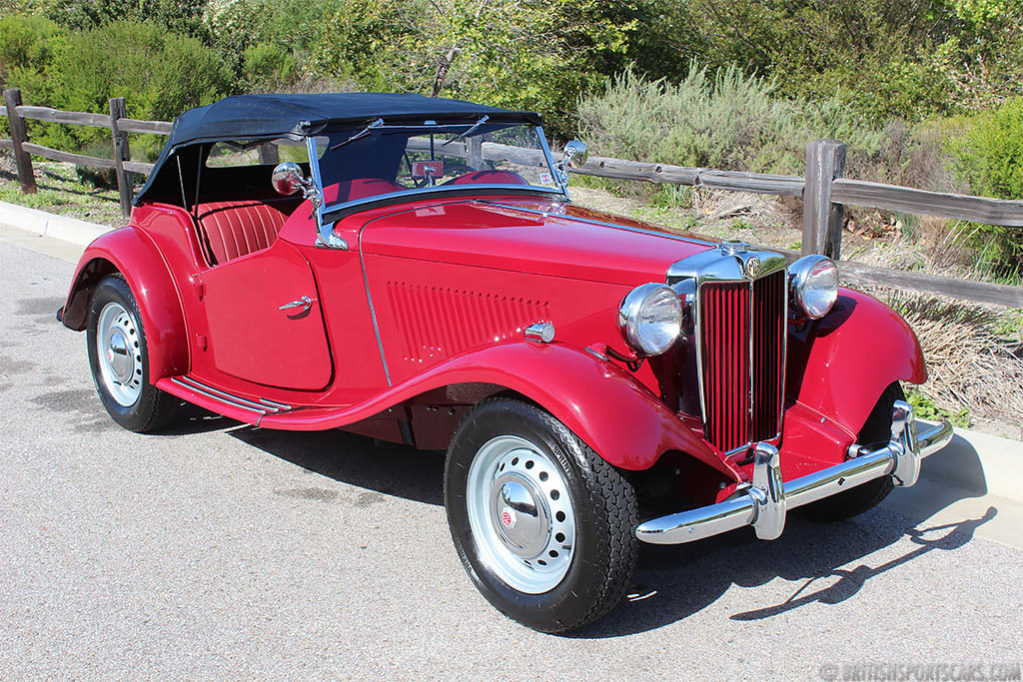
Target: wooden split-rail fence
824	192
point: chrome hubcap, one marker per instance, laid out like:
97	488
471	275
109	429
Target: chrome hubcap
521	514
523	521
120	354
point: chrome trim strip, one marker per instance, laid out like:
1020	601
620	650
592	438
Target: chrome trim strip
372	310
273	403
230	396
220	396
437	189
591	221
764	504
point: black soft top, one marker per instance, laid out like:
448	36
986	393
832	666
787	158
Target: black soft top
253	117
295	116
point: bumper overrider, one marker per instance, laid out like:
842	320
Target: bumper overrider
764	503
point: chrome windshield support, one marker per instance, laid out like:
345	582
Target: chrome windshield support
764	504
325	237
562	182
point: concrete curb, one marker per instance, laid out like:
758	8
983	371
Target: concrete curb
979	463
976	462
71	230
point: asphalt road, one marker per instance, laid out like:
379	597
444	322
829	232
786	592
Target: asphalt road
220	551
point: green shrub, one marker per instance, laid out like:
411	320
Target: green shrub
268	67
988	155
26	42
159	74
725	120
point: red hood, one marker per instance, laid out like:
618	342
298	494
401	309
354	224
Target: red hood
542	237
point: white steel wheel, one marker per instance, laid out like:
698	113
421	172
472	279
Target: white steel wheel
119	352
542	524
521	514
119	359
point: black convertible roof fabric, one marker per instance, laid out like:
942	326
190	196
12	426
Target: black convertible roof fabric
255	116
295	116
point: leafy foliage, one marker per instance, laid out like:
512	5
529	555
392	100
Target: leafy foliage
989	156
159	74
178	16
725	120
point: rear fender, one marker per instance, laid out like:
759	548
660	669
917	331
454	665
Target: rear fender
840	365
132	253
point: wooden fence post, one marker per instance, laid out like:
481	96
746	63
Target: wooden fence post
121	154
268	154
822	219
474	152
12	99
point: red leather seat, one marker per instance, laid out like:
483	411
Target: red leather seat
234	228
360	188
231	229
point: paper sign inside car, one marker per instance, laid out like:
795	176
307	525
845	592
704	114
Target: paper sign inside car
427	169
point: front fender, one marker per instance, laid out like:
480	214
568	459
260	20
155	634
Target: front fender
840	365
132	253
598	400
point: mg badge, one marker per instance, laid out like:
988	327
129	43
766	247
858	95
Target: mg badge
753	267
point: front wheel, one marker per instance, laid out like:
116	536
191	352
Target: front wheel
542	524
119	360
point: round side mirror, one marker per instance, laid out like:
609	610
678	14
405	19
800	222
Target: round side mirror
287	178
575	154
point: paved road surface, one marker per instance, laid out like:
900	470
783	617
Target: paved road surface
220	551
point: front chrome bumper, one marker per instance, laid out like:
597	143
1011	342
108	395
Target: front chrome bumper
764	504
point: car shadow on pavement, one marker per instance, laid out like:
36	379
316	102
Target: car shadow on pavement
386	468
829	562
192	419
674	582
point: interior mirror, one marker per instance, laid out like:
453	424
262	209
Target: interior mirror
575	154
287	178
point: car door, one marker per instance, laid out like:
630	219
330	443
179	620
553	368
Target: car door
266	322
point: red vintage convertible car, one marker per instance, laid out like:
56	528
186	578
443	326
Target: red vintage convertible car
414	271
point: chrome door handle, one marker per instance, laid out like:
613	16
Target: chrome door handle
305	303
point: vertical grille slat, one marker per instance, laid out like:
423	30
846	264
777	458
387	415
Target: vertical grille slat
742	323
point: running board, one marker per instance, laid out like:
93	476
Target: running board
258	407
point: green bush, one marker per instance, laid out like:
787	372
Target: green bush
28	45
159	74
268	67
988	155
26	42
725	120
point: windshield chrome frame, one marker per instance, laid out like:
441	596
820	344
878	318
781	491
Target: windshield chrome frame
325	229
550	163
325	237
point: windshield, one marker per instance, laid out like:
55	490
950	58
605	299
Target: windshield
369	162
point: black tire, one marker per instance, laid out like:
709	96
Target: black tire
876	431
152	409
604	553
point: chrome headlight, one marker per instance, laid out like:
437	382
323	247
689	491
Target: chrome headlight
651	318
813	285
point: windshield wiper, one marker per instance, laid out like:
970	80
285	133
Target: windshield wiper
362	133
468	132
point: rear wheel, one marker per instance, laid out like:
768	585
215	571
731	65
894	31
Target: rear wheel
119	360
875	432
542	524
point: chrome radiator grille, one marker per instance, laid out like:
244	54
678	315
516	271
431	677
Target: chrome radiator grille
742	350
